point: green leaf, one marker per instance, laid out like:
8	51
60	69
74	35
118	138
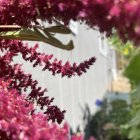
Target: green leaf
136	120
133	70
124	48
35	35
135	94
58	29
54	40
135	134
23	34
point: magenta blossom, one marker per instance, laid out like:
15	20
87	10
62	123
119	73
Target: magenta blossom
18	122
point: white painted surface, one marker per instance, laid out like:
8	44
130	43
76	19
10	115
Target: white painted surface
73	94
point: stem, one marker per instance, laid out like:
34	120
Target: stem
19	27
10	27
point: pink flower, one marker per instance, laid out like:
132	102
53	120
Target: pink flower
115	11
92	138
17	121
77	137
62	6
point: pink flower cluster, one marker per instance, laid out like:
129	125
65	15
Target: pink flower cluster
18	122
45	60
104	14
22	81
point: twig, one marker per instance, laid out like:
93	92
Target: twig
19	27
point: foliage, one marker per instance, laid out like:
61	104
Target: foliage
120	112
132	72
134	124
127	49
108	121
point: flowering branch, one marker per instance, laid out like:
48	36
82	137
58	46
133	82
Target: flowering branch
104	14
22	81
18	120
45	60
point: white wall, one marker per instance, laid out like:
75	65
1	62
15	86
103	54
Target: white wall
73	94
